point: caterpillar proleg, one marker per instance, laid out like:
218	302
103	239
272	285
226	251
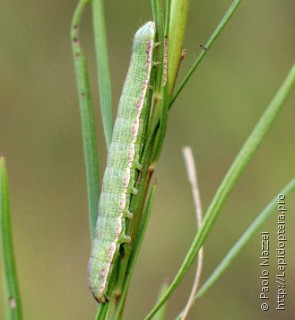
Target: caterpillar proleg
122	165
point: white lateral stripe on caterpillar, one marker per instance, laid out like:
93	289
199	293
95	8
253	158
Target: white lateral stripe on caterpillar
122	165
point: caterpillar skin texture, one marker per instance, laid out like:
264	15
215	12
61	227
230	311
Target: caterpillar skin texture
122	165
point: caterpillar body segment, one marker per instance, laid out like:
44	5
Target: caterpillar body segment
122	165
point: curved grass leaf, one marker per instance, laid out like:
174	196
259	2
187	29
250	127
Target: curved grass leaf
239	245
239	165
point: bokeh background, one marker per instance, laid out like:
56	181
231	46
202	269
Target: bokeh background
40	135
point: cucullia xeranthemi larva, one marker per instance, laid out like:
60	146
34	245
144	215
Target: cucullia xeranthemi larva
122	164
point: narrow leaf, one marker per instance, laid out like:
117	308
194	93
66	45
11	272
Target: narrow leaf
135	250
13	308
158	16
165	93
87	118
234	251
239	245
103	72
177	24
161	314
239	165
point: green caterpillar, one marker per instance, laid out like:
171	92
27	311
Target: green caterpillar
122	164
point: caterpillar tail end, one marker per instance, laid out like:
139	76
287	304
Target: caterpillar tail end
101	298
98	293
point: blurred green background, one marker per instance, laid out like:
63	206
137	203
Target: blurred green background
40	135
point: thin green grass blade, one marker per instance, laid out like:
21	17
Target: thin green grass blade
239	165
253	228
87	118
231	10
102	311
164	105
157	8
135	250
158	16
239	245
108	310
13	308
103	72
161	314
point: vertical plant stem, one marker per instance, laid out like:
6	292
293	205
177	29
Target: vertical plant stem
158	16
175	23
159	21
178	19
165	80
103	72
239	165
131	249
13	308
102	312
87	118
